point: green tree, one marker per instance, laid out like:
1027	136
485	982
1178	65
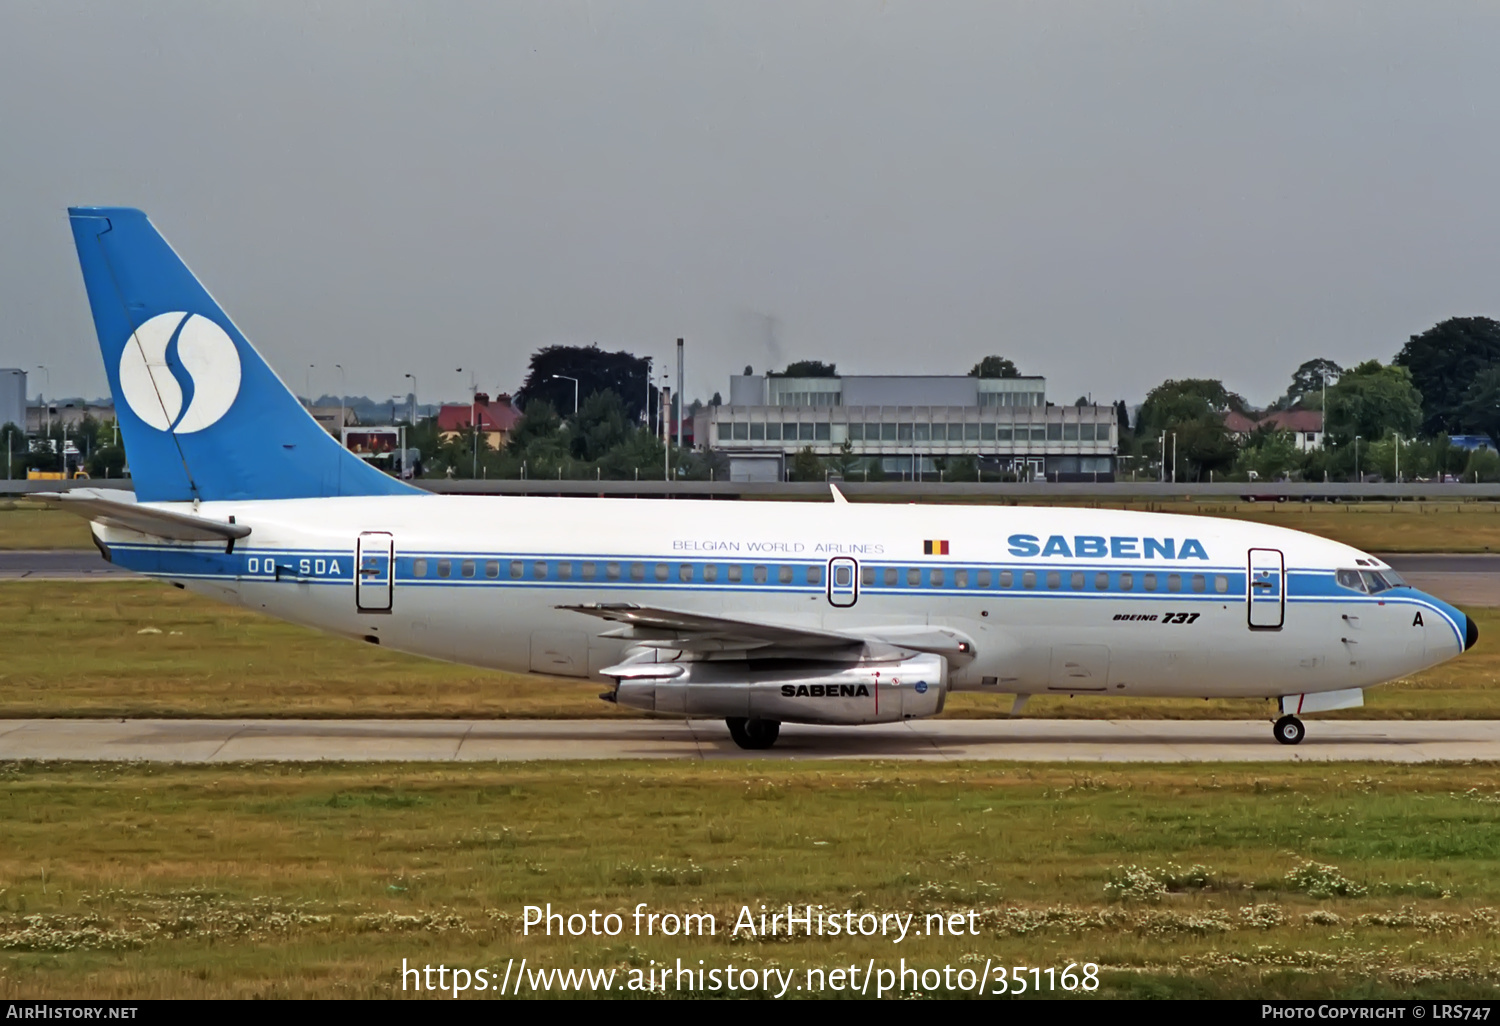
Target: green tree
843	462
1193	411
808	369
1483	466
1307	384
1443	361
806	466
1481	405
107	461
638	456
624	373
994	367
601	425
1371	400
1271	454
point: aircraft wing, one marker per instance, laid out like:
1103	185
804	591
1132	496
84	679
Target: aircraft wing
699	632
103	508
706	633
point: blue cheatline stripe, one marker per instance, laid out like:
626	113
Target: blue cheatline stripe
337	567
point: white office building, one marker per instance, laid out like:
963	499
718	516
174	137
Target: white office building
910	426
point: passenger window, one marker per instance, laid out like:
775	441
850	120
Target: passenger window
842	576
890	577
1127	582
637	571
685	572
815	574
784	575
1200	584
1007	579
661	571
735	572
467	568
1221	583
445	567
867	575
419	568
1101	582
1148	582
960	578
491	568
1028	579
612	571
760	574
914	577
517	569
935	578
1174	582
539	570
564	571
710	571
982	579
588	571
1054	580
1077	581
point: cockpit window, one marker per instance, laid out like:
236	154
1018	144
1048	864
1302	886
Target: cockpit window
1370	582
1377	581
1350	579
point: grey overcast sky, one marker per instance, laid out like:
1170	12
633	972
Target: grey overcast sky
1109	193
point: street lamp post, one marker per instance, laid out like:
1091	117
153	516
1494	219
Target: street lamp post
575	390
647	410
413	399
1357	478
473	416
343	388
46	409
307	383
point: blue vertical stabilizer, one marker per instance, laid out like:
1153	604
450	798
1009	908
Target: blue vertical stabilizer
202	415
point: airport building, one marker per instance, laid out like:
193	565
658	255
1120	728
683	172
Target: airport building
13	396
909	426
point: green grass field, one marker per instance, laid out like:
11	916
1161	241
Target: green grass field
138	648
317	880
1373	527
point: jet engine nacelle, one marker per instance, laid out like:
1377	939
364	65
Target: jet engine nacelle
792	691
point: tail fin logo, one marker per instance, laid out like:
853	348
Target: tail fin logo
180	372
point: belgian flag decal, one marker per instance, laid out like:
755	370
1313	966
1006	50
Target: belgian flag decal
935	548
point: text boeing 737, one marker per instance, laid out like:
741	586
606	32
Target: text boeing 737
758	613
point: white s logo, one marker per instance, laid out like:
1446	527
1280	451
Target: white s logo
207	356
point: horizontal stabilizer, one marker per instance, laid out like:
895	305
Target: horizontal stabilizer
111	510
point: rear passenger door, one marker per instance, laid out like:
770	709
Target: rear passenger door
373	564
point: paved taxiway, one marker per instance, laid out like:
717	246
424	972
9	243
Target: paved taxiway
224	741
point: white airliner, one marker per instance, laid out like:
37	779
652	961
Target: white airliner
757	613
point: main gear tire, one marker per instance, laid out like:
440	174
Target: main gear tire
753	735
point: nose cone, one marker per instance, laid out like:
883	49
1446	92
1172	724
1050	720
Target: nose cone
1471	633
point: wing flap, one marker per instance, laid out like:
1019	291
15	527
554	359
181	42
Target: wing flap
698	630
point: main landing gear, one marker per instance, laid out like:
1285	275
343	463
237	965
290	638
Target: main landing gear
754	735
1289	730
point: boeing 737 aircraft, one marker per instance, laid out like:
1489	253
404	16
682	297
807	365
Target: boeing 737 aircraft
757	613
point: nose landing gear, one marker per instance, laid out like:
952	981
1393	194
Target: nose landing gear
1289	730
